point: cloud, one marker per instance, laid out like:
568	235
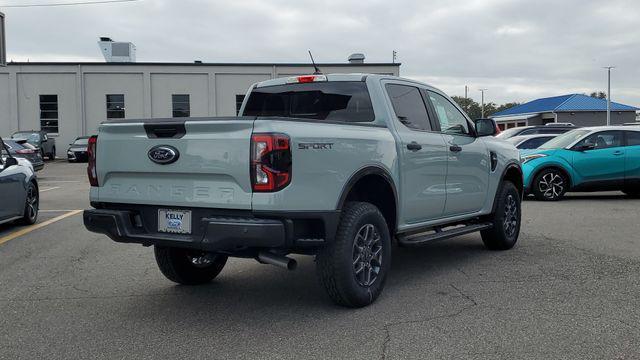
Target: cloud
518	49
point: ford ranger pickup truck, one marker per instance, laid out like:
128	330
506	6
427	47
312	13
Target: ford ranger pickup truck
334	166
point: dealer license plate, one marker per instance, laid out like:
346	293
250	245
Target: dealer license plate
174	221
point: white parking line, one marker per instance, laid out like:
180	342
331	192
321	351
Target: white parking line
37	226
51	188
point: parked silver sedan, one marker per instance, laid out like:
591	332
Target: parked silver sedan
19	198
523	142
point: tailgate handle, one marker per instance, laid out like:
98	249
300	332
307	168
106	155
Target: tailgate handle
165	130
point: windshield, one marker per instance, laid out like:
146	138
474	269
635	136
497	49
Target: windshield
509	132
565	139
345	101
30	137
83	141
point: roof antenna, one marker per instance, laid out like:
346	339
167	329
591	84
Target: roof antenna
317	70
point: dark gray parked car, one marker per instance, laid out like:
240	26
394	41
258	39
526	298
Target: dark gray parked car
19	199
43	142
24	150
77	151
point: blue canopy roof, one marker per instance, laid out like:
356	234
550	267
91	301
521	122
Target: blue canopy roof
571	102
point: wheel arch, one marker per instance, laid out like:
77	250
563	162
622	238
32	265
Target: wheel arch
564	171
372	184
512	173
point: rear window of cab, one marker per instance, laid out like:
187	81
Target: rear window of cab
337	101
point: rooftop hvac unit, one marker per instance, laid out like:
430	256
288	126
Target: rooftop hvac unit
117	51
3	44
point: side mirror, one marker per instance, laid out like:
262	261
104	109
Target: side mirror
485	127
584	147
10	161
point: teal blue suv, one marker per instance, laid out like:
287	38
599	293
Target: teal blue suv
587	159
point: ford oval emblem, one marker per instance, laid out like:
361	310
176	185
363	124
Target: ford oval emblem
163	154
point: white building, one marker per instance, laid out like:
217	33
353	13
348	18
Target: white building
72	99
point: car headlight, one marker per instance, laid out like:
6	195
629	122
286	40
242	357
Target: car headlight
526	158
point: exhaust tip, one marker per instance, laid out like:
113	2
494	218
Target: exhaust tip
266	257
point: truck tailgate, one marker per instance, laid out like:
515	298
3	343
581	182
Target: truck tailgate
212	169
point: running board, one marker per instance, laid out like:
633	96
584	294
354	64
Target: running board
439	234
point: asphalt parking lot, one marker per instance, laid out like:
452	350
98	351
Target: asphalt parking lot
569	289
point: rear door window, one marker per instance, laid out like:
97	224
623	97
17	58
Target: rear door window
409	106
341	101
633	138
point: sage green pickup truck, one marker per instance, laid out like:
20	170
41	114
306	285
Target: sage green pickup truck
334	166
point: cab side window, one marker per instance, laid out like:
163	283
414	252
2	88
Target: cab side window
452	121
409	106
603	140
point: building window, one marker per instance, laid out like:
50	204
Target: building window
115	106
49	113
239	100
181	106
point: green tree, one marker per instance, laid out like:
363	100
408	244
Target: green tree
598	95
474	110
506	106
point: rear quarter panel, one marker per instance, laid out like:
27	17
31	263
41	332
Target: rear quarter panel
319	175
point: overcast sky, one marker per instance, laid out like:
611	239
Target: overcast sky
519	50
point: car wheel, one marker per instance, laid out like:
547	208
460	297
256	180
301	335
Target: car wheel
354	267
31	205
550	185
188	267
52	156
506	219
42	153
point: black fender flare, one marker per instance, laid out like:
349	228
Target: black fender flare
365	171
509	166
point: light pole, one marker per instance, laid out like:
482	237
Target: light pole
609	93
482	101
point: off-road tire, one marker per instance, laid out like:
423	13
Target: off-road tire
558	188
175	265
336	263
502	236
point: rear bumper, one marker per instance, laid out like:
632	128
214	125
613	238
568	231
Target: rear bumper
212	230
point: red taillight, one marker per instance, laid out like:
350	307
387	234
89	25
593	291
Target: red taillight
91	167
270	162
25	151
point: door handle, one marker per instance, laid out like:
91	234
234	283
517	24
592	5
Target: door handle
618	153
455	148
414	146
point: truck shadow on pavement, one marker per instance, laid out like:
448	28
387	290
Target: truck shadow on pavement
246	287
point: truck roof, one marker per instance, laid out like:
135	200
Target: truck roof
336	77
